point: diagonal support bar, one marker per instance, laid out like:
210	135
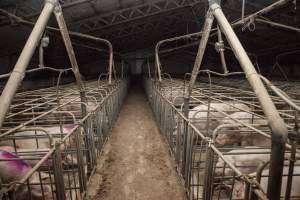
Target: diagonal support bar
17	74
188	138
277	125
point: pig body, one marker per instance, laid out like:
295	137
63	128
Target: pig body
32	144
199	114
236	137
245	160
239	187
15	170
76	105
36	143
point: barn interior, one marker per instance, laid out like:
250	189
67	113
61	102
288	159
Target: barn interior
149	99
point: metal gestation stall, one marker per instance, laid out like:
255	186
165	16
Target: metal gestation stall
55	134
209	160
45	129
255	125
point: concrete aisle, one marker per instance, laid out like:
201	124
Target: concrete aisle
135	164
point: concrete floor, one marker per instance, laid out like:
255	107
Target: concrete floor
135	163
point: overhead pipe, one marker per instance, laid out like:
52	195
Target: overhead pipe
2	76
71	33
263	11
198	34
17	74
275	24
276	123
43	43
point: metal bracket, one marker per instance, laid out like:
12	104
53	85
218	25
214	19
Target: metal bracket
219	46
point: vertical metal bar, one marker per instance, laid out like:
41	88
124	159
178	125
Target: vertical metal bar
222	49
243	9
58	173
148	65
17	74
277	125
122	74
80	162
208	175
41	55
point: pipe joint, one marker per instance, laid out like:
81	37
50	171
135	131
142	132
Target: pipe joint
214	5
22	74
279	130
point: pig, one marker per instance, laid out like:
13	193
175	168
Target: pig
239	186
42	144
15	170
246	160
198	115
242	139
76	104
31	162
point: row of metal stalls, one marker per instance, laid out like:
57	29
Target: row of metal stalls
51	138
238	142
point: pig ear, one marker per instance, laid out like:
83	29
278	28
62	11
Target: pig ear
37	191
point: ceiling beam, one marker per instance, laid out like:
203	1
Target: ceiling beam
102	21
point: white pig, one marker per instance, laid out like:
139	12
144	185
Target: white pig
239	187
236	137
15	170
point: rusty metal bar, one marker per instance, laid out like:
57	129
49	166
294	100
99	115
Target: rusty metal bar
277	125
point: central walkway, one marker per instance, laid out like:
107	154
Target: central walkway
135	164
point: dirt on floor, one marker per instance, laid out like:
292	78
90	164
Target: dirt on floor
135	163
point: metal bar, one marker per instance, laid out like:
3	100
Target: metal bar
18	73
221	51
243	8
148	66
263	11
198	34
41	55
202	46
37	69
275	24
122	72
277	125
71	33
67	41
201	50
